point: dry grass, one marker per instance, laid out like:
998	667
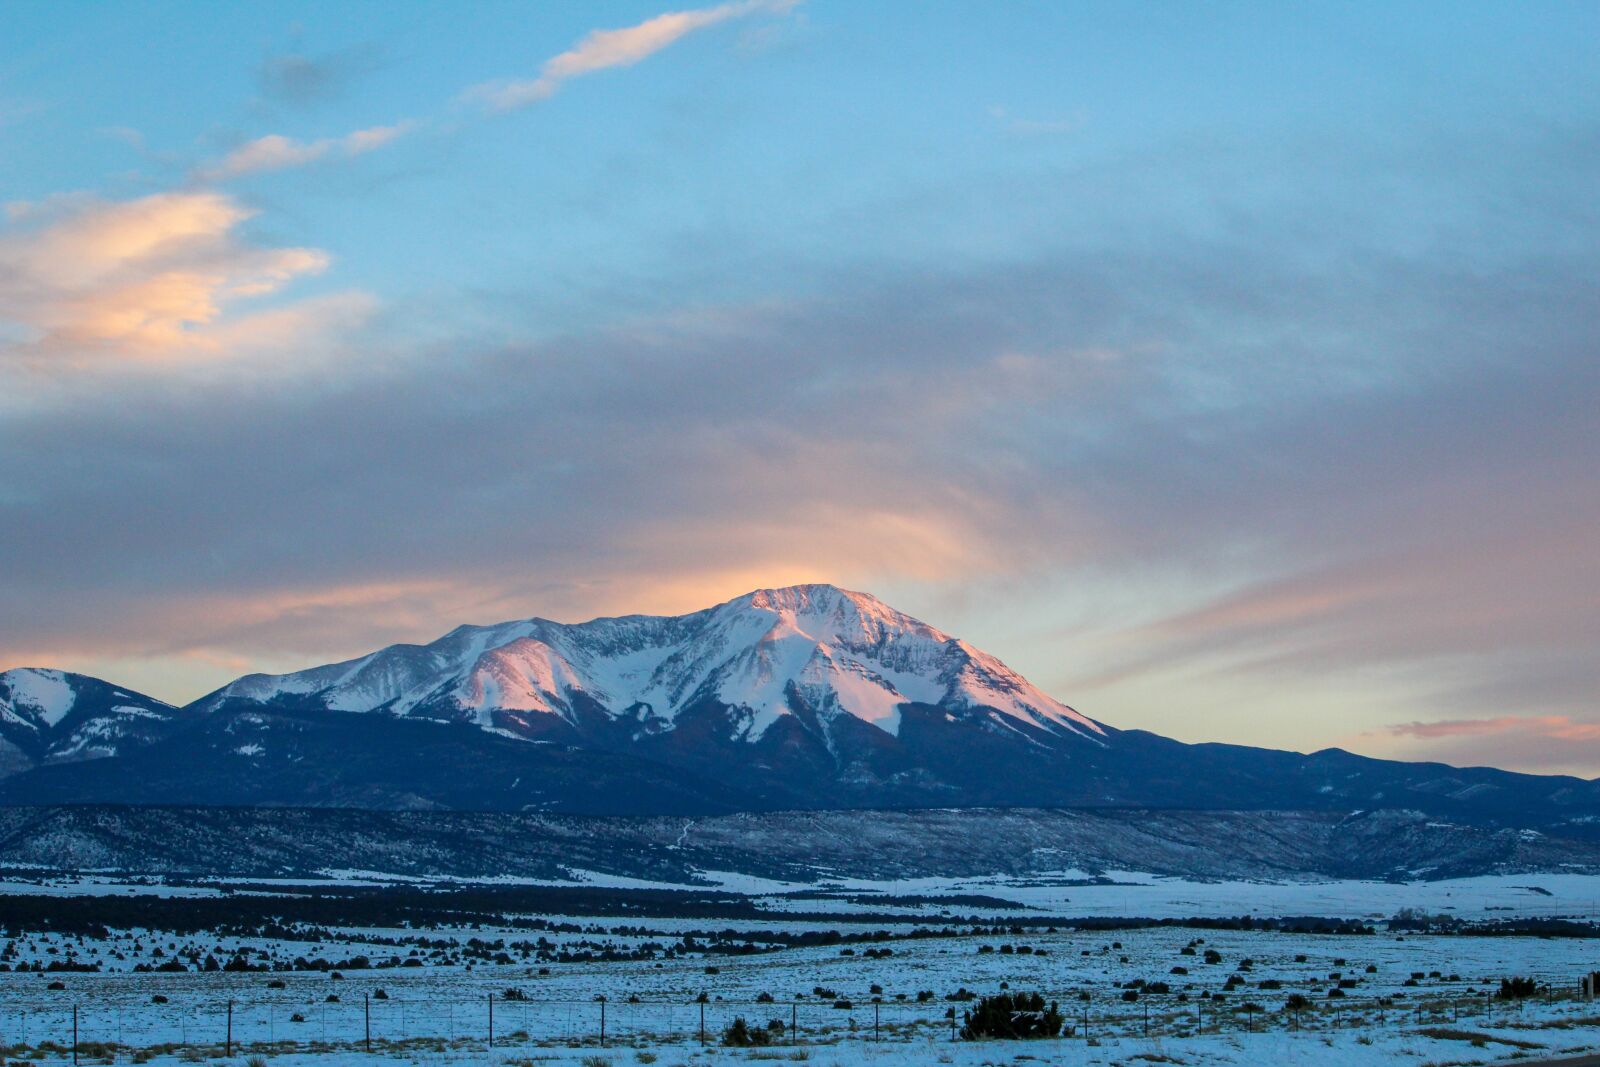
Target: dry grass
1478	1040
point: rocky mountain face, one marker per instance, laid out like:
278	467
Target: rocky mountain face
808	698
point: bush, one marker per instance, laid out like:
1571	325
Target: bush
1517	988
741	1034
1012	1016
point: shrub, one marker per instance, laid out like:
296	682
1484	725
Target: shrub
1517	988
741	1034
1012	1016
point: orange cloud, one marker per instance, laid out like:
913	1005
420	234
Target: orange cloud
151	278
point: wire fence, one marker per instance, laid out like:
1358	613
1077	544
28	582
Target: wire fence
362	1021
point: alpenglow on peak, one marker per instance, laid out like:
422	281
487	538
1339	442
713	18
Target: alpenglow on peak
765	656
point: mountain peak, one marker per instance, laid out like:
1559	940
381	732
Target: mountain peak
768	655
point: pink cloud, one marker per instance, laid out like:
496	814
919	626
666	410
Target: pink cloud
276	152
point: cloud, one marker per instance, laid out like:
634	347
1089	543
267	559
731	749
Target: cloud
150	278
276	152
958	428
1555	727
1557	743
605	49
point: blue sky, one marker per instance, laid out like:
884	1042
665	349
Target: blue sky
1227	369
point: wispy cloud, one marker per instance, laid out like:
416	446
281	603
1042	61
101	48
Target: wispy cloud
1553	727
605	49
1558	743
276	152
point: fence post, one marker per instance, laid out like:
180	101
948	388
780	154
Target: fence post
602	999
74	1033
875	1007
491	1020
794	1021
366	1012
230	1028
702	1023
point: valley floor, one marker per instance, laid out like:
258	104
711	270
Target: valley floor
1396	998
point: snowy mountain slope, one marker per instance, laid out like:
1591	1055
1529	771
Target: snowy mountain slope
839	652
49	716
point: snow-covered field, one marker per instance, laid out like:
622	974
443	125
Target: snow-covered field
1381	997
1071	894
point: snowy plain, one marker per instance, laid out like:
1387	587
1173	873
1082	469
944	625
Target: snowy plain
1384	997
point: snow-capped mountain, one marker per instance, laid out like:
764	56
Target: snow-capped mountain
806	697
51	716
765	656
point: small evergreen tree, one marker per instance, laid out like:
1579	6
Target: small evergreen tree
1517	988
1012	1016
741	1034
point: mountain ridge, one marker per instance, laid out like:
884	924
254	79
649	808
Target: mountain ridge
800	698
51	716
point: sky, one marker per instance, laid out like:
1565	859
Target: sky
1229	370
